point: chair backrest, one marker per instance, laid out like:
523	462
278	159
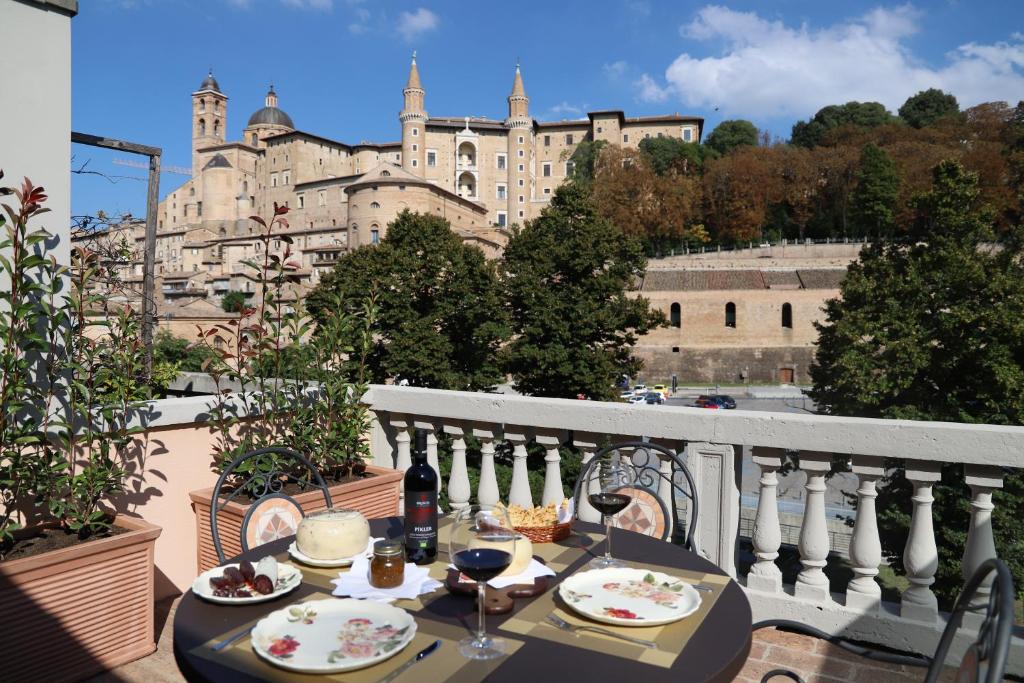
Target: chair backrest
645	459
985	659
273	514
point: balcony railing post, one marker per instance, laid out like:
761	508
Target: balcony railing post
666	490
980	546
588	444
812	582
459	489
487	493
553	492
714	468
403	458
519	489
765	575
920	555
863	591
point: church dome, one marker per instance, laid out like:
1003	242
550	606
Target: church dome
271	115
210	83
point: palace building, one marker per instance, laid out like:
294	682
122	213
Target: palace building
482	175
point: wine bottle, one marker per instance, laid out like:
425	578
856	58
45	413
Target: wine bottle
420	506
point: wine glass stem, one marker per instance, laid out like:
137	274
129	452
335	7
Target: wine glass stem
481	589
608	534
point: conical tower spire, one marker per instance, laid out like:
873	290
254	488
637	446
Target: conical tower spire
518	102
517	85
414	75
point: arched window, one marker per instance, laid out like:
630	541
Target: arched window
216	127
676	316
202	126
730	314
202	105
374	234
385	173
223	231
374	205
787	316
245	186
216	106
253	139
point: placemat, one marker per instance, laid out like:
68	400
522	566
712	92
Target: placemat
671	638
444	665
558	555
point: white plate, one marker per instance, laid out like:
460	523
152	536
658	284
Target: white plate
629	597
328	636
288	579
299	556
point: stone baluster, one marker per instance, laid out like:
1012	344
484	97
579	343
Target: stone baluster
980	546
863	591
666	488
765	575
519	491
428	427
403	457
487	493
459	489
920	555
812	582
553	492
587	443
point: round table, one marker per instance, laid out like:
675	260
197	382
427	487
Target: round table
715	652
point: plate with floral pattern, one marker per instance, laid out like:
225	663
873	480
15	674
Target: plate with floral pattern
328	636
629	597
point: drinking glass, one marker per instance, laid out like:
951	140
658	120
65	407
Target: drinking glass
606	481
482	546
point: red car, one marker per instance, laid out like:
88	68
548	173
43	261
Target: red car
706	402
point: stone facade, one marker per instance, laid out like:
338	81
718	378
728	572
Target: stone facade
483	175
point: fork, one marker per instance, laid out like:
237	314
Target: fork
566	626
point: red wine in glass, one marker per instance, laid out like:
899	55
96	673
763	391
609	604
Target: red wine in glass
482	564
610	503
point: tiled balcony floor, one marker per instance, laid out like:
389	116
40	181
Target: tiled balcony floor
816	661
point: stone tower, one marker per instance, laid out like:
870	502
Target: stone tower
209	118
413	118
520	151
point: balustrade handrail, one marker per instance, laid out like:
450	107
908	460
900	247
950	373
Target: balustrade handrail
953	442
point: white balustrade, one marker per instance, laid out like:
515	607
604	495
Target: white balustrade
814	544
920	555
487	493
766	538
459	489
588	444
519	492
863	592
553	492
980	546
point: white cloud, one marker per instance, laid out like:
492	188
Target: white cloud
770	69
648	90
563	108
325	5
412	24
615	70
362	20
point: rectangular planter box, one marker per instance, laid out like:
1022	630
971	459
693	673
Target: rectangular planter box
68	614
375	496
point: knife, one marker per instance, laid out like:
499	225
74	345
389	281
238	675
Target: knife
429	649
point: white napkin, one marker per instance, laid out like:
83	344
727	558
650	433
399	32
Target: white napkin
355	583
565	514
533	570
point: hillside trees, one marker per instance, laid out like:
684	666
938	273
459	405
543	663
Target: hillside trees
667	155
873	203
827	119
927	107
728	135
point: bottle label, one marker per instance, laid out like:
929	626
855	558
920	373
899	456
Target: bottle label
420	519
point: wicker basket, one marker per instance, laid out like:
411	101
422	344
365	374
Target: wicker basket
546	534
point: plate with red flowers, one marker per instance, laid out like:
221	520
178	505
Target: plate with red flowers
329	636
629	597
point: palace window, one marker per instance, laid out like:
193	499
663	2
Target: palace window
520	154
414	164
202	126
547	170
521	139
687	134
321	198
385	173
216	127
253	139
547	140
199	208
521	214
302	201
191	192
570	166
501	191
600	129
401	188
375	236
522	199
787	316
431	159
675	315
216	106
625	138
660	135
521	168
522	183
415	148
285	177
730	314
502	219
415	132
501	161
374	205
273	180
568	139
547	190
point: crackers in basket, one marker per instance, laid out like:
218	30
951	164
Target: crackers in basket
538	516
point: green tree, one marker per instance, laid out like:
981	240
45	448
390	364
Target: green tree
672	154
440	319
566	279
927	107
178	353
731	134
863	114
233	302
933	329
584	160
873	201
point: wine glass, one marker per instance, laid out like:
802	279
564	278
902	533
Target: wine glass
482	546
605	482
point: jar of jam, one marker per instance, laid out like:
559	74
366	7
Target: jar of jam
387	568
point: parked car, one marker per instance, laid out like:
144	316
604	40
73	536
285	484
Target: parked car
654	398
640	390
725	401
637	400
706	402
627	394
661	389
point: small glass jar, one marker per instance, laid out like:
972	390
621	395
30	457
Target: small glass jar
387	568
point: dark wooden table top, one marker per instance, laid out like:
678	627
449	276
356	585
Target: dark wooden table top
716	652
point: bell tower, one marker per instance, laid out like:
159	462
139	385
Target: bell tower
520	152
209	118
414	119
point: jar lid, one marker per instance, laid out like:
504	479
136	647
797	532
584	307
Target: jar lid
387	548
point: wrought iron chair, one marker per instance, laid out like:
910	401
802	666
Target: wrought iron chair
985	659
649	511
273	510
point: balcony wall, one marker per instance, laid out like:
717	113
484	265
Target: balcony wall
712	444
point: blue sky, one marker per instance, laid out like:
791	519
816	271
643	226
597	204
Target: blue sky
339	65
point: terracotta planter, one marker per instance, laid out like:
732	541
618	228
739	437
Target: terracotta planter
68	614
375	496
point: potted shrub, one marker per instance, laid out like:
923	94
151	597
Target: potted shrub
76	579
298	389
